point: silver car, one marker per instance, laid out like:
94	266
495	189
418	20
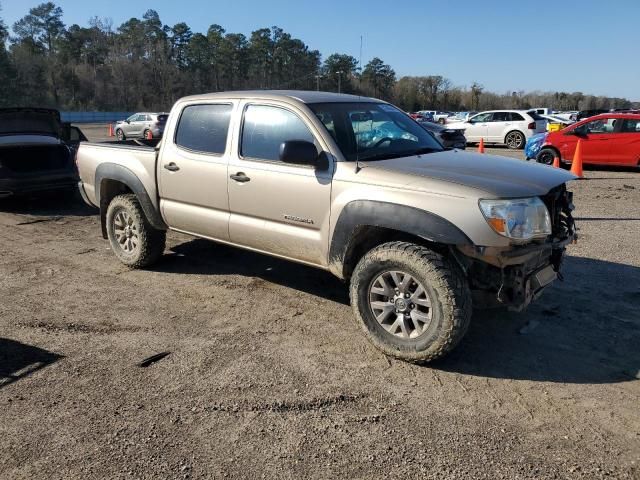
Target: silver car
141	125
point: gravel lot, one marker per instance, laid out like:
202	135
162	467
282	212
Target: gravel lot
269	376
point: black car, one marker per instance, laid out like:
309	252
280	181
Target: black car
448	137
37	151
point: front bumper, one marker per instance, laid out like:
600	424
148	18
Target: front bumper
514	276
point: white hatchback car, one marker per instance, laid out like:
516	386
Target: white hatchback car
509	127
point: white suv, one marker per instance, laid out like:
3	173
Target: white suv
508	127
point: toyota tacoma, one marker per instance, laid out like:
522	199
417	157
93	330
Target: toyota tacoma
347	184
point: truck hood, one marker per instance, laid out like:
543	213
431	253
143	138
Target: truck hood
30	121
499	177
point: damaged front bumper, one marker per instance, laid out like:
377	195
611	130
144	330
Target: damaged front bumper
515	276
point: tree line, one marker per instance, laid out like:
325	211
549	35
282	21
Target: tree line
146	65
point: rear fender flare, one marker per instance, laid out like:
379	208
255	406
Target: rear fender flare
121	174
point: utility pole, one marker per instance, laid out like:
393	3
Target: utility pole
339	72
318	83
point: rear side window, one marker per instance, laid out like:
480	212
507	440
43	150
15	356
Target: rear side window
631	126
204	128
500	117
515	117
265	128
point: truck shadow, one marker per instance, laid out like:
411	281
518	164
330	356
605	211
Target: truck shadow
18	360
49	204
203	257
583	330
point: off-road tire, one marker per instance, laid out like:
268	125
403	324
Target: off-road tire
151	242
446	285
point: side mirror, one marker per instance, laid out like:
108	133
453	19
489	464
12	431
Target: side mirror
299	152
128	121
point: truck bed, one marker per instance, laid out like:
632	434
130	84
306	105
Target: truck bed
140	159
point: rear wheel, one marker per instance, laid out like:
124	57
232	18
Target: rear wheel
515	140
412	303
546	156
133	240
147	134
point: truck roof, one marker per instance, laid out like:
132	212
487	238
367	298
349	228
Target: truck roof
304	96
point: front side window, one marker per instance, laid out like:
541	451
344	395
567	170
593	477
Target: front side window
204	128
605	125
480	118
265	128
374	131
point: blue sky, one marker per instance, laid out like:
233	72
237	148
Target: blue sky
589	46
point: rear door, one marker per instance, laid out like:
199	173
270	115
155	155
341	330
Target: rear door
192	171
496	126
477	127
276	207
625	145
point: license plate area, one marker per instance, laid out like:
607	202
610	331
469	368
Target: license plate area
543	277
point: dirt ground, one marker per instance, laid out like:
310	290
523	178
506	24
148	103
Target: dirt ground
268	376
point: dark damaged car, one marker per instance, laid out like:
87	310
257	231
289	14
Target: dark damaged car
37	151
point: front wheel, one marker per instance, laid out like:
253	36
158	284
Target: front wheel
120	135
515	140
412	303
133	240
546	156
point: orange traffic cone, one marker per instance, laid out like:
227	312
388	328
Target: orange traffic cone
481	146
149	135
576	164
111	130
556	162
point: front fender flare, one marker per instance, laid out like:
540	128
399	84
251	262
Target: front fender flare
402	218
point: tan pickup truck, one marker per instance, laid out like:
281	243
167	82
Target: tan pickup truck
347	184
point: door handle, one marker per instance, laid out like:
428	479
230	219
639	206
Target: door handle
172	167
240	177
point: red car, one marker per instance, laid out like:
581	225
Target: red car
607	139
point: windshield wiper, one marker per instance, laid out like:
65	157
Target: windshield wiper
390	155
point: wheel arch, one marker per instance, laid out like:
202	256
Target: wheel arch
364	224
112	179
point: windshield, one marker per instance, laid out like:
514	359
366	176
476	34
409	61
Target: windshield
374	131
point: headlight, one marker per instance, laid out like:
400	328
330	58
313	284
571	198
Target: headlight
519	218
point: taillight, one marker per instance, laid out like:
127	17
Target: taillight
532	126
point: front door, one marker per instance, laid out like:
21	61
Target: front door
275	207
192	171
596	138
477	127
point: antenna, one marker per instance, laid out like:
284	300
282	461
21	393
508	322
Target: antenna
358	168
